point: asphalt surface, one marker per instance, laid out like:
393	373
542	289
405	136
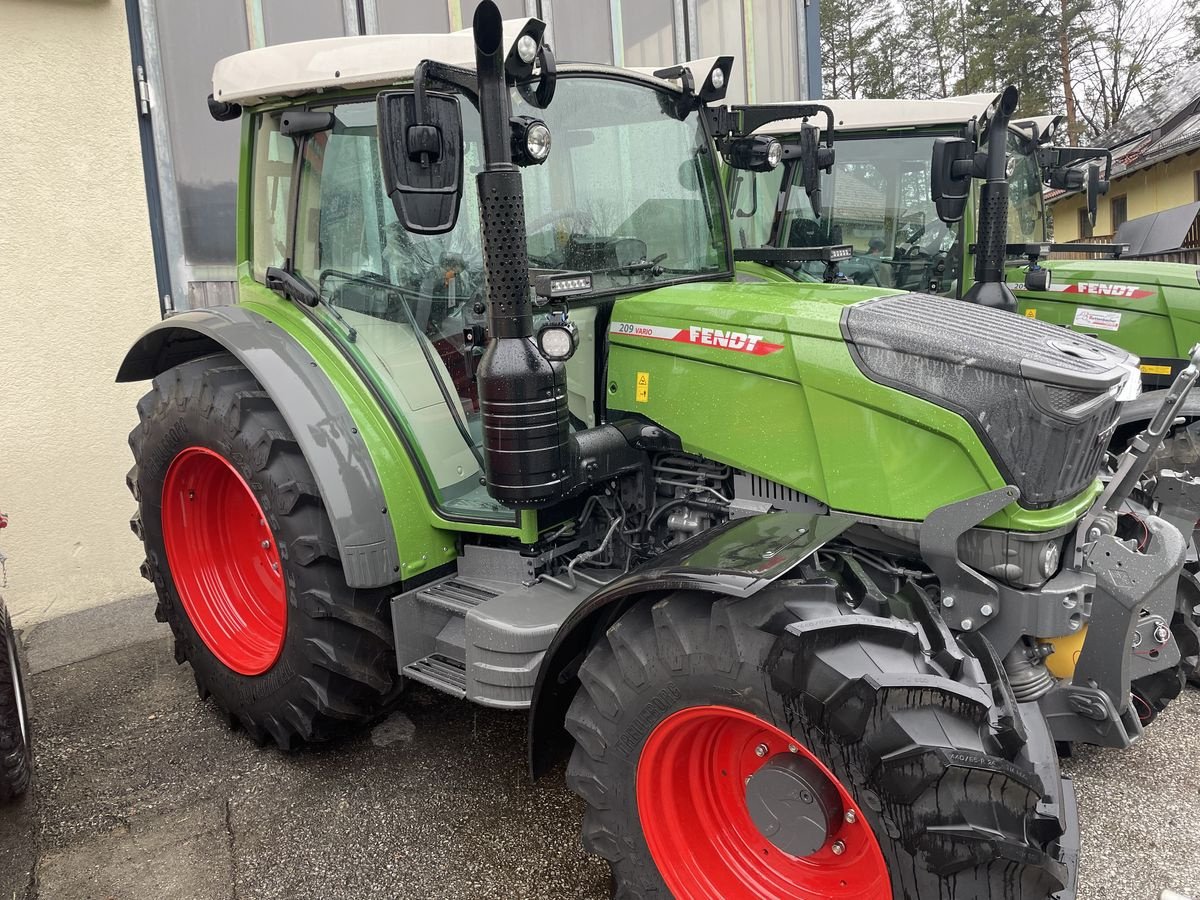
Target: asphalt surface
143	792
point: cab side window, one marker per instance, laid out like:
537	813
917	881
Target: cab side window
274	155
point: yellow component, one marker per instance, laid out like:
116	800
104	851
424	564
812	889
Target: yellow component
1149	369
1061	662
642	394
1031	313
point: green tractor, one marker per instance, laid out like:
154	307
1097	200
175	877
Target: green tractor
801	591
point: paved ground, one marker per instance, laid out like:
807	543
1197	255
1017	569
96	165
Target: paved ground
143	794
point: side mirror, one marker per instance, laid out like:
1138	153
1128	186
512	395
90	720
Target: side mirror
422	159
953	161
811	164
1095	187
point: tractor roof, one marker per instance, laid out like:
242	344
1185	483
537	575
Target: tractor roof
862	115
308	67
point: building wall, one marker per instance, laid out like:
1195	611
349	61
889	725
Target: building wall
1158	187
76	287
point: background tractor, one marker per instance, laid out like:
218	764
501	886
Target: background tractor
799	589
16	761
879	199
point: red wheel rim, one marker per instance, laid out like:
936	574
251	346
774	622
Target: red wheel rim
691	793
224	561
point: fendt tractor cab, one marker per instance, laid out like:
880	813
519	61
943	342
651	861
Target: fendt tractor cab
811	599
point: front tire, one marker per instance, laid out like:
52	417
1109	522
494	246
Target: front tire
245	564
16	758
700	722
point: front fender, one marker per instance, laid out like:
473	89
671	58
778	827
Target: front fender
1143	408
314	411
737	559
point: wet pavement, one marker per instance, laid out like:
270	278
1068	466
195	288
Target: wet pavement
143	792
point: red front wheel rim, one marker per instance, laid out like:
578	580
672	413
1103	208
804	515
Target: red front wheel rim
224	561
692	782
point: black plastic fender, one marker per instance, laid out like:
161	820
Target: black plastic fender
1143	408
736	559
314	411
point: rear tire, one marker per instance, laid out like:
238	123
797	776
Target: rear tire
950	802
16	757
308	657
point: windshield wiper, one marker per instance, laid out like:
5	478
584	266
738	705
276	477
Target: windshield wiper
653	267
295	287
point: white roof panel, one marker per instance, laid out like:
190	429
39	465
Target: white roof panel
343	62
851	115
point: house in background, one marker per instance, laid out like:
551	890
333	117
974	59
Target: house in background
1151	200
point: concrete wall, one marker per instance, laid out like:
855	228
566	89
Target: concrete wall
76	288
1158	187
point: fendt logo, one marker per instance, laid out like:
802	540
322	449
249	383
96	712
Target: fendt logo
740	341
1104	289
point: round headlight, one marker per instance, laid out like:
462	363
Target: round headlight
537	141
717	79
527	48
556	343
774	154
1049	559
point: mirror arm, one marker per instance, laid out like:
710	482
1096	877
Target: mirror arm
442	75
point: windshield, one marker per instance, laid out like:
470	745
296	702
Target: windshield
626	183
1026	214
877	199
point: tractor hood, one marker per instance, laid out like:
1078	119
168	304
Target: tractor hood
1129	302
1040	401
1043	401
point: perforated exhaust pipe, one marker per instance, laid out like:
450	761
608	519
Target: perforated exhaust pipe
527	448
991	252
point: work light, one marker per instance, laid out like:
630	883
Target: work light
530	141
527	48
757	153
558	337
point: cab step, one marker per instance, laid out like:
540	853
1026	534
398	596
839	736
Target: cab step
481	633
441	672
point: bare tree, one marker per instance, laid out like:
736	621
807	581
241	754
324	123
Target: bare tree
1126	51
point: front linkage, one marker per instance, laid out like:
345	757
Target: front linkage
1116	593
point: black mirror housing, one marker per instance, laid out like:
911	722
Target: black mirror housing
422	159
1095	187
951	177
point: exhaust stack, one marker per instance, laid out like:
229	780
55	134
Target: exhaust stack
991	252
528	453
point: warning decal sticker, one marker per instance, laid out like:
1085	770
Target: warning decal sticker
740	341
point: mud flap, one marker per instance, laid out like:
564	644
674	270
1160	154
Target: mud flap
1068	844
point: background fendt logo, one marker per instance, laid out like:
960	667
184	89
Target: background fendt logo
1104	289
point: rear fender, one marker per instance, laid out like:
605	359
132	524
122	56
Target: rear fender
314	411
737	559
